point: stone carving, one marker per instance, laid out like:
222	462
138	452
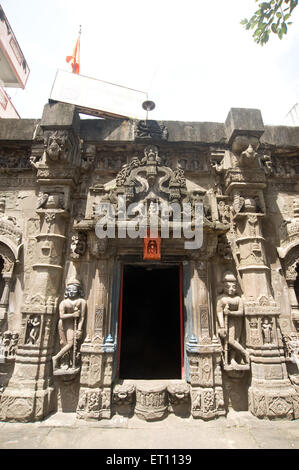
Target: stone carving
244	152
206	371
267	330
57	146
8	225
123	398
8	345
151	130
280	406
50	219
88	157
78	245
195	402
224	248
72	313
42	200
267	164
255	339
179	393
285	167
148	179
33	329
14	159
217	168
90	403
8	259
289	231
123	393
230	315
151	401
50	200
98	324
206	403
291	347
224	212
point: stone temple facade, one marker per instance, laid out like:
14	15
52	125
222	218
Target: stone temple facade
145	325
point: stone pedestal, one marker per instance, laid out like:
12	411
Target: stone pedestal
151	401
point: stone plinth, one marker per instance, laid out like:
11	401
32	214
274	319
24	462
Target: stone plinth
151	400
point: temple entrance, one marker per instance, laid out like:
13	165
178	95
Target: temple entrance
151	320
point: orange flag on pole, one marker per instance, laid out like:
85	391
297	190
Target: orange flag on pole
75	58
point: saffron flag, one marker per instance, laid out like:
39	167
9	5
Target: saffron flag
75	58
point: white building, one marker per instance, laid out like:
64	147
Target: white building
14	70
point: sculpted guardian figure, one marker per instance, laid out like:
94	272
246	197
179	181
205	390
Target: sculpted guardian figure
72	311
230	315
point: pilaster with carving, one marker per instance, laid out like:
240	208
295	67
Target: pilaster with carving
30	393
95	396
270	393
204	350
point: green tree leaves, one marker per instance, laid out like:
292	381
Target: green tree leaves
271	17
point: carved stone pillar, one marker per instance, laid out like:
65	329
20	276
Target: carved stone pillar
270	393
201	314
29	395
204	351
97	356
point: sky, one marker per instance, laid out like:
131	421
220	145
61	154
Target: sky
193	58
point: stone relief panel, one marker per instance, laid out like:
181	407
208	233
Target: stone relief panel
14	159
285	167
150	129
8	345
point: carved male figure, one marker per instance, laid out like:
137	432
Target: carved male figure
72	313
230	315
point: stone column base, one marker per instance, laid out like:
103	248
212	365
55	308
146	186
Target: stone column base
273	401
26	405
151	401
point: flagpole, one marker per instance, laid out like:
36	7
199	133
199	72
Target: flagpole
74	59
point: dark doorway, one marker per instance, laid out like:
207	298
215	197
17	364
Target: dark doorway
150	336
